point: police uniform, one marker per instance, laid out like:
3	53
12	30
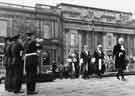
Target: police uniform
8	57
31	63
17	63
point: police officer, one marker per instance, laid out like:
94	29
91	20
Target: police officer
17	62
31	56
119	54
7	61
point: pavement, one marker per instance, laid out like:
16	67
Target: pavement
107	86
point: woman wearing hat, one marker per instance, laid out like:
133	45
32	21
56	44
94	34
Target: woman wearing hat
99	60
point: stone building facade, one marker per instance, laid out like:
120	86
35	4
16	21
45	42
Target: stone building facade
92	26
67	26
44	20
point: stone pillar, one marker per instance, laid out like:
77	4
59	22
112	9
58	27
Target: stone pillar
80	43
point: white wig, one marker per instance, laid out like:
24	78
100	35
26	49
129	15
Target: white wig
120	40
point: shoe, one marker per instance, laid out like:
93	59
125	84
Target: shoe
18	91
100	77
123	79
32	92
10	90
118	77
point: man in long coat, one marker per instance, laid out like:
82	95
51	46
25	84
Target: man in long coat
17	62
7	59
119	54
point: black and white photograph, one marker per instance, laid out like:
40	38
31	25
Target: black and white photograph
67	48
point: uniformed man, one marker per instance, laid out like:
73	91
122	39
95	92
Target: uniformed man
7	61
85	60
17	62
119	54
31	56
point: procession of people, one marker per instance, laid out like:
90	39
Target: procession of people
87	64
21	58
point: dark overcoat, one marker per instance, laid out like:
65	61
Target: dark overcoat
17	64
7	61
120	56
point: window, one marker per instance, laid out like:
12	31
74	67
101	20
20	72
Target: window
1	47
72	39
3	28
1	62
46	31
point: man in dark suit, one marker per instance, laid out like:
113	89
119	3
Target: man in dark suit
119	54
85	60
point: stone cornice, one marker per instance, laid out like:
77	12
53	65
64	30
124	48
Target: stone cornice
97	23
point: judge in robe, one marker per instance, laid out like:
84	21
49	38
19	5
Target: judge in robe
74	58
85	59
99	60
119	55
70	63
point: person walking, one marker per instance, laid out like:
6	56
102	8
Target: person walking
71	56
119	54
99	60
76	64
85	59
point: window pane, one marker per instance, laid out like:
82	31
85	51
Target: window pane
3	28
46	31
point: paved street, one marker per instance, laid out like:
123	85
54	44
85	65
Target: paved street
108	86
